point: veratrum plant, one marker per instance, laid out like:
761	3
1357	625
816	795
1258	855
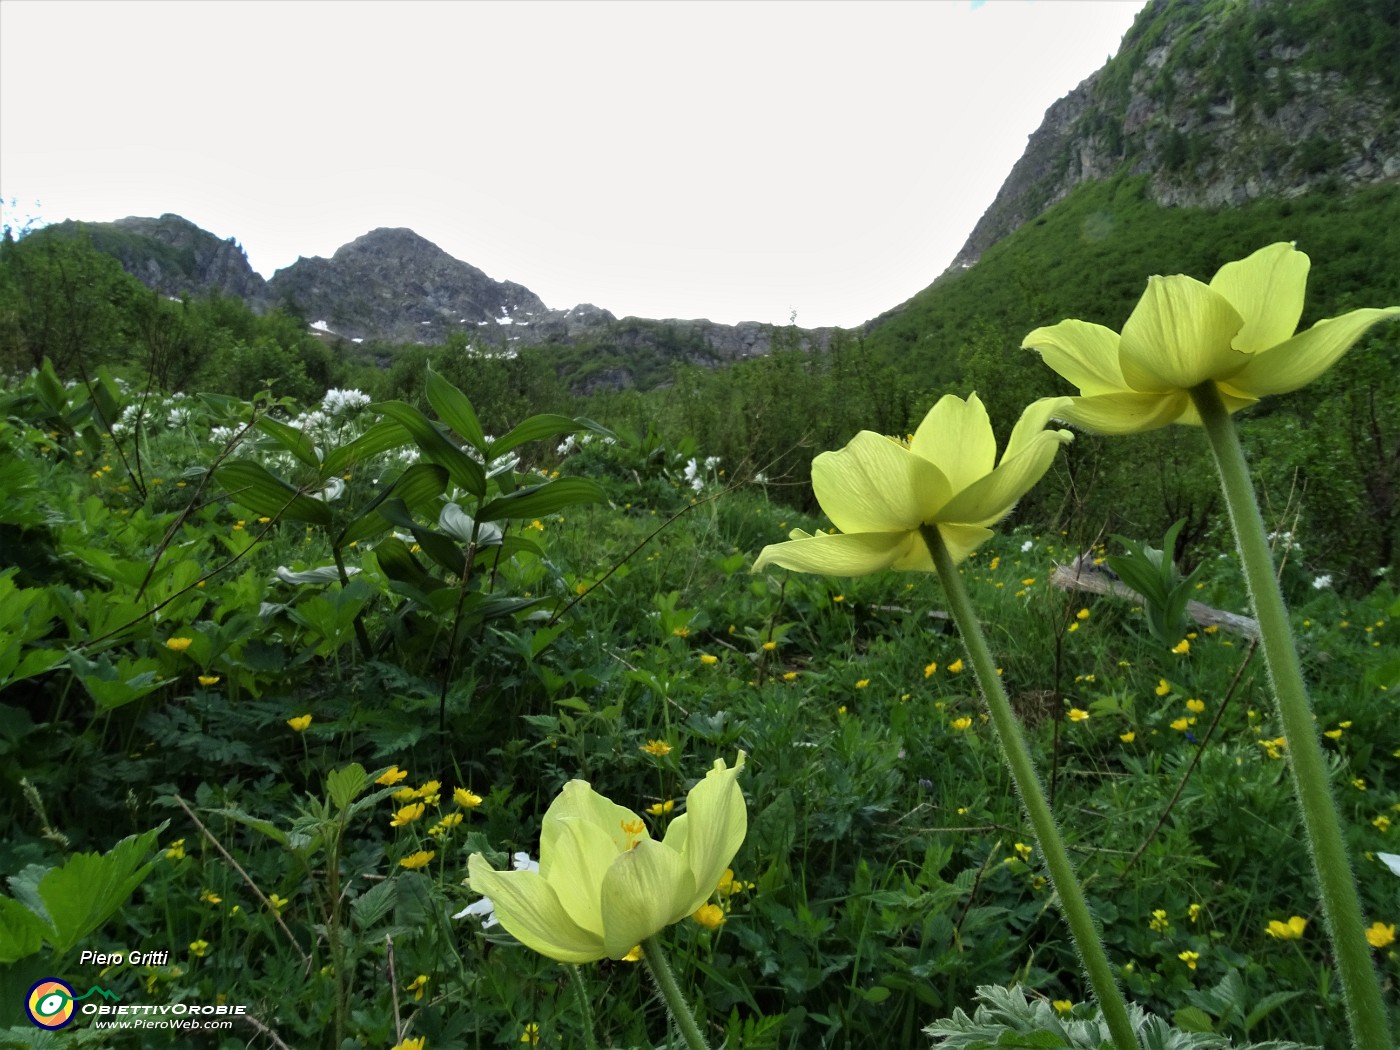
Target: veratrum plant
1153	574
1006	1018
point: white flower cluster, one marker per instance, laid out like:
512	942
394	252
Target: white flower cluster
339	402
1321	583
696	475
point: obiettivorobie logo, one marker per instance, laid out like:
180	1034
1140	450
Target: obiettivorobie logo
50	1002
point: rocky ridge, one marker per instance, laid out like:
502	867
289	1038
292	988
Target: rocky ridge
1218	103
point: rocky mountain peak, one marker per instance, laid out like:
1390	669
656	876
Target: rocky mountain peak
394	284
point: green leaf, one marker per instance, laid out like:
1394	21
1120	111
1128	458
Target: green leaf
546	498
1267	1005
536	428
21	931
292	439
345	784
454	409
265	827
372	905
380	438
88	888
251	485
464	470
113	685
418	487
1193	1019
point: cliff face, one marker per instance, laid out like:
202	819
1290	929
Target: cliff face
173	256
1220	102
394	285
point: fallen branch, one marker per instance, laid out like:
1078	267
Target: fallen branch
1083	575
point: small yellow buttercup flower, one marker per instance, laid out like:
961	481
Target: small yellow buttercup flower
199	948
929	670
466	798
210	897
416	1043
1380	934
1195	706
1287	931
1127	737
208	679
1023	851
956	666
657	748
417	986
1189	958
278	903
660	808
391	776
1078	715
710	916
421	859
709	659
1193	912
176	850
1182	647
1062	1006
179	645
300	723
962	723
1162	687
407	815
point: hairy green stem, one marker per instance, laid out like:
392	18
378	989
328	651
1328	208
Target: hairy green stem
1028	786
1341	907
676	1006
585	1008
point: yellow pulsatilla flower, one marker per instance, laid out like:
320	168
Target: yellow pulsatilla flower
880	493
1287	931
1236	332
604	884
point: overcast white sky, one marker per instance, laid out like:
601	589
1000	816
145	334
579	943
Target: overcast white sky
737	161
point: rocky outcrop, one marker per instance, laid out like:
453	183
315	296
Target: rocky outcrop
1219	104
393	285
173	256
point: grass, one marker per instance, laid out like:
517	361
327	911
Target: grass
886	875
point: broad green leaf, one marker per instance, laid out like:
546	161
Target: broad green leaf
380	438
88	888
546	498
399	565
346	783
266	827
292	439
455	409
1192	1019
372	905
21	931
113	685
418	487
252	486
536	428
464	470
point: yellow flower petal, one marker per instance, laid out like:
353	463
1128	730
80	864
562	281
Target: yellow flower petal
957	435
529	908
1266	289
1179	335
644	890
875	484
1085	354
1300	360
